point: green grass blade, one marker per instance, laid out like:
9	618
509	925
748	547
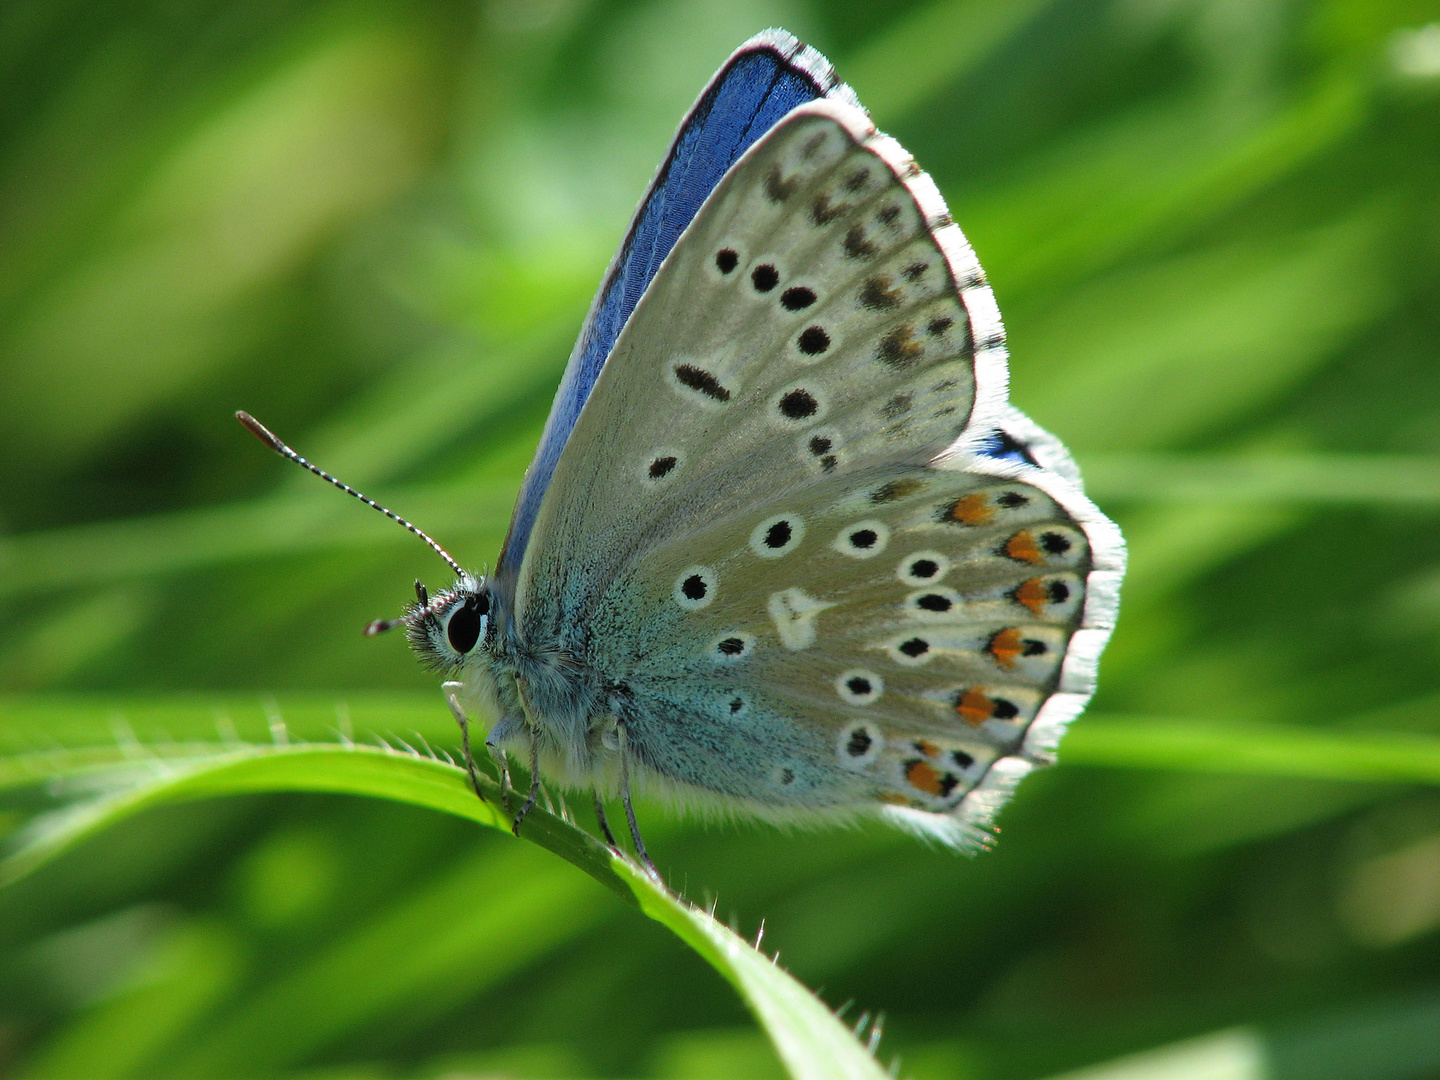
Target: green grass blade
1253	749
378	772
141	726
487	918
808	1037
1296	479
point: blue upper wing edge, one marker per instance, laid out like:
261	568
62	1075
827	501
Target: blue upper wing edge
754	89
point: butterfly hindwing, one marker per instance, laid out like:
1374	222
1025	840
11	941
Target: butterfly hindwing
913	638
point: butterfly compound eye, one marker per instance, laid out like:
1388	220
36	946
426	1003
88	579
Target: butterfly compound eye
463	627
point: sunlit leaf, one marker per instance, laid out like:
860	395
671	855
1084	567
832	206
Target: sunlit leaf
807	1036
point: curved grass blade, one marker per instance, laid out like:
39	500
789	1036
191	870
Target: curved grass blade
810	1040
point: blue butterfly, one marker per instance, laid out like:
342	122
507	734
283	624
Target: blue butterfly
785	549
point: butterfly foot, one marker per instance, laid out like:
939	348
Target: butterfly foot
528	804
640	852
508	725
623	745
534	793
604	824
452	690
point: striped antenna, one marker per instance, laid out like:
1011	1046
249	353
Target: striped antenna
265	435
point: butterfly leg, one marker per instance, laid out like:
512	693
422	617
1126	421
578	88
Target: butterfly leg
629	807
604	824
451	689
529	803
507	726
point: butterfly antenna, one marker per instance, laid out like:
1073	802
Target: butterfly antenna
265	435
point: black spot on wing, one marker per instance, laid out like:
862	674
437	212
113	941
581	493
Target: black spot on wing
813	340
797	298
1055	543
778	535
857	245
823	211
899	349
777	188
798	404
701	381
877	295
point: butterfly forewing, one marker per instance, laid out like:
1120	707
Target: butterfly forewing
808	323
763	80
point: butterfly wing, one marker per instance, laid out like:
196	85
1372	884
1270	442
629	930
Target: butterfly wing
762	81
821	314
913	638
815	376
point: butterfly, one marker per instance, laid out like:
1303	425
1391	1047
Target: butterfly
785	549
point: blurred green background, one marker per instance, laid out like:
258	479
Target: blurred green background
1214	229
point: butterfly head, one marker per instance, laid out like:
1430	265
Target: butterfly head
447	629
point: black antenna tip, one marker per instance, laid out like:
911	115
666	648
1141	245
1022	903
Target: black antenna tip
379	626
260	431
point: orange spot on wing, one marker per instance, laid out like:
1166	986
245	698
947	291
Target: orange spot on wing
972	510
1022	546
1006	646
929	749
1033	595
923	778
975	708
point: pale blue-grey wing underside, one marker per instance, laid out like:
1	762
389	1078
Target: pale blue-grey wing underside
798	531
762	81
